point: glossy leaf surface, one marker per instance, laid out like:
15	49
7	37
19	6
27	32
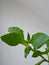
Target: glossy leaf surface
39	39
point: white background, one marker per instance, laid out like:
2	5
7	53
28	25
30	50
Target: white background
30	15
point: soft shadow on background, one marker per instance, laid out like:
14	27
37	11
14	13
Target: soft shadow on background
29	15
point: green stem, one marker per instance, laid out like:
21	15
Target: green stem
48	58
26	44
41	56
44	59
40	62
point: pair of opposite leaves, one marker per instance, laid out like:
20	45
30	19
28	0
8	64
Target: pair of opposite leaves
16	36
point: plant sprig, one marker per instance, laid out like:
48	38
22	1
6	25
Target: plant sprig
16	37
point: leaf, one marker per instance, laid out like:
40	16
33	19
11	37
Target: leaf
37	53
12	39
28	37
47	43
39	39
16	30
26	51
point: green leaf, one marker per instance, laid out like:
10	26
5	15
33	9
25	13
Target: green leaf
28	37
37	53
12	39
39	39
40	62
16	30
27	51
47	43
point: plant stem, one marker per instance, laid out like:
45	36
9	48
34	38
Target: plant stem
48	57
40	62
42	56
44	59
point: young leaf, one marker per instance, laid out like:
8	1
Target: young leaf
37	53
39	39
12	39
16	30
28	37
26	51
